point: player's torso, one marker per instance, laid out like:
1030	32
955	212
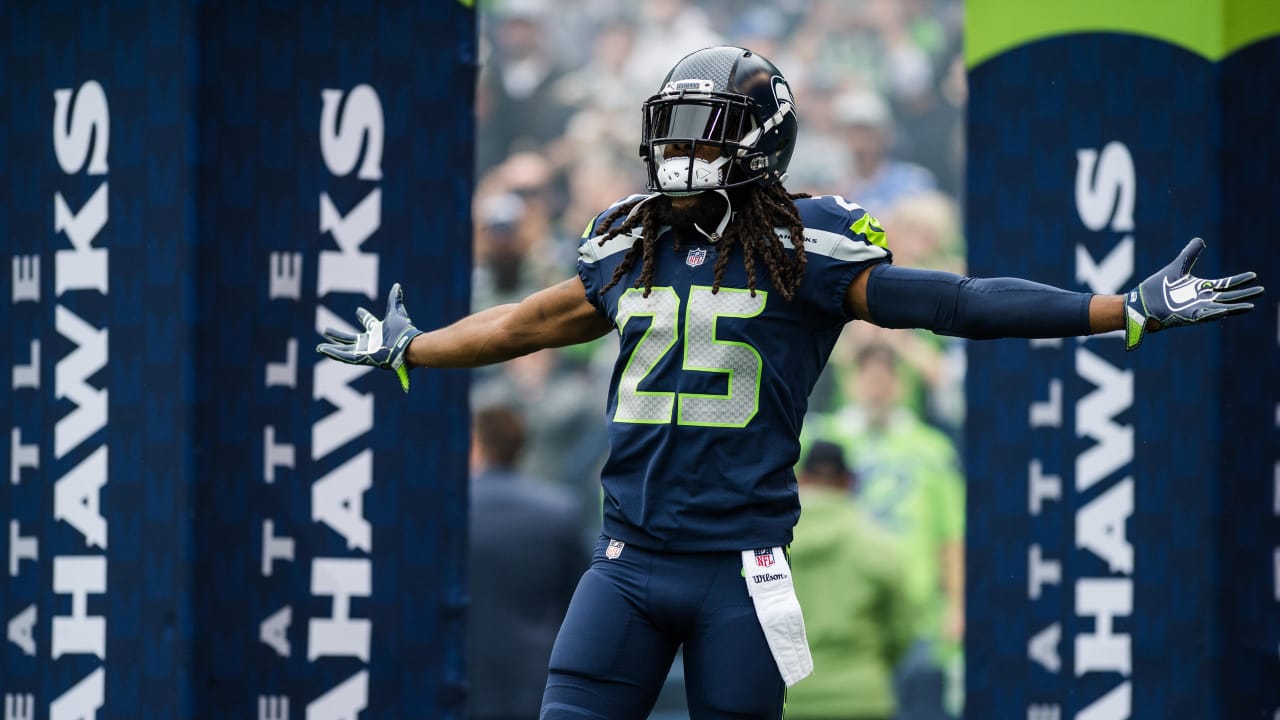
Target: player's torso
707	397
700	407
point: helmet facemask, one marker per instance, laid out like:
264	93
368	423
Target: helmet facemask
696	140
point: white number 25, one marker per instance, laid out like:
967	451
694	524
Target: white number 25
703	352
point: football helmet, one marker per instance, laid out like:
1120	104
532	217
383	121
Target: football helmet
724	118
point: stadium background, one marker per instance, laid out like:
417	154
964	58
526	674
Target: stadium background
201	520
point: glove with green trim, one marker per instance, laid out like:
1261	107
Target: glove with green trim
1174	297
383	342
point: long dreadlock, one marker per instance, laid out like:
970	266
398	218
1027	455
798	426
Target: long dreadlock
757	211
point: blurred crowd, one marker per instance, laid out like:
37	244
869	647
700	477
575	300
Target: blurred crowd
880	92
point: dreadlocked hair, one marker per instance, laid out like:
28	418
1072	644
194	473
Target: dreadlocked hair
757	211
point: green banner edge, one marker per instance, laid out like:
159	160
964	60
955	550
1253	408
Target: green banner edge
1211	29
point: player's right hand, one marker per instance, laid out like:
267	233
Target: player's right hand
383	342
1174	297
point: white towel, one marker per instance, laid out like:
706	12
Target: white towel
769	584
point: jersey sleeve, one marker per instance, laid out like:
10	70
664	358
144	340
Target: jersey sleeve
589	263
841	240
591	269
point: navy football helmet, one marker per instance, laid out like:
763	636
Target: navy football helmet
724	118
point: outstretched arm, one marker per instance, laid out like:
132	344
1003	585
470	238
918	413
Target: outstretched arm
945	303
555	317
1010	307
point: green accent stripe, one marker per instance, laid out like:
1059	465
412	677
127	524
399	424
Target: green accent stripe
1212	29
870	228
1249	21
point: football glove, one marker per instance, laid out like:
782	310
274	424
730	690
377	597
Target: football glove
1175	297
383	342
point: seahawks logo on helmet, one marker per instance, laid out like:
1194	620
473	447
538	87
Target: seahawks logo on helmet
782	91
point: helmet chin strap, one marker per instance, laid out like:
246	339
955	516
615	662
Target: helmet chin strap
724	220
636	208
710	236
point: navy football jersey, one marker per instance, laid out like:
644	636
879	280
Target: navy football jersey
709	389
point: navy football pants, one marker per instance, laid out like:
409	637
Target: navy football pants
628	617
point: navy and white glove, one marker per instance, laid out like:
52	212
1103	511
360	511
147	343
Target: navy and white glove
383	342
1175	297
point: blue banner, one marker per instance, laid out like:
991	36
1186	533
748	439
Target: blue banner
202	519
95	209
1248	462
1123	525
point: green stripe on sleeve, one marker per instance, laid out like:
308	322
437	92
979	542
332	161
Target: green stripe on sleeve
869	228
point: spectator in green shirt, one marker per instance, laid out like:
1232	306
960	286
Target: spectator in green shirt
849	580
910	482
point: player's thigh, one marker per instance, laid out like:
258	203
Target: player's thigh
728	668
609	661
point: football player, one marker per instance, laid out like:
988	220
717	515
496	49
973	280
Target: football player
728	293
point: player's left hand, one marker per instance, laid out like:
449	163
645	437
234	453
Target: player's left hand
383	342
1174	297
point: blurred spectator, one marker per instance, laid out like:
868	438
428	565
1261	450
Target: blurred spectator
537	182
501	273
667	31
567	435
603	84
763	28
933	124
595	183
604	96
905	65
926	232
821	163
519	71
909	480
849	580
525	560
930	372
879	179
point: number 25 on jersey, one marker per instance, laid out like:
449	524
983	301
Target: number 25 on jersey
702	352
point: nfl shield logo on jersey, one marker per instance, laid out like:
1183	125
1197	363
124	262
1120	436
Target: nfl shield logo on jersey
764	557
696	257
614	549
